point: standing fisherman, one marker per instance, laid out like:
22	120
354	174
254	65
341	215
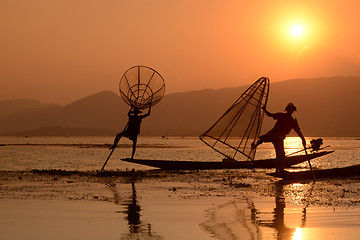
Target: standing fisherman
284	124
140	87
132	129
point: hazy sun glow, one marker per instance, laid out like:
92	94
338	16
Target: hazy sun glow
296	30
298	235
292	144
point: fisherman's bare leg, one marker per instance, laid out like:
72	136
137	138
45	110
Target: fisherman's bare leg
134	148
116	140
280	155
255	145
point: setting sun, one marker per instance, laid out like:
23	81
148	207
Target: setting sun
296	30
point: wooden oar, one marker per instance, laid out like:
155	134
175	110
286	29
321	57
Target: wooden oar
312	172
298	151
107	159
115	143
305	150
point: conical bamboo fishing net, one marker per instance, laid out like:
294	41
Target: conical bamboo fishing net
240	125
141	87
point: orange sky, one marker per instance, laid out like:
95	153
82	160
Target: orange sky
62	50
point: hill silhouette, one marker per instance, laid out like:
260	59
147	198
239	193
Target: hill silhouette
65	131
326	107
13	106
95	111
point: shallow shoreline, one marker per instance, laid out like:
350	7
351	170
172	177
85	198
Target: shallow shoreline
169	204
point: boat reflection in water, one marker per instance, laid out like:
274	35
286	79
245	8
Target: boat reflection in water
255	220
298	223
137	228
278	222
286	216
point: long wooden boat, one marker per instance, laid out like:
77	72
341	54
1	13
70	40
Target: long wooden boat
349	171
196	165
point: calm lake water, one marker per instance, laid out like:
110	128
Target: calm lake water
89	153
276	217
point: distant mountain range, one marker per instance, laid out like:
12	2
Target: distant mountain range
326	107
13	106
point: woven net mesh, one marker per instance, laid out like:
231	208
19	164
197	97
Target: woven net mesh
240	125
141	87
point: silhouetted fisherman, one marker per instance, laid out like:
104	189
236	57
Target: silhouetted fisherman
284	124
132	129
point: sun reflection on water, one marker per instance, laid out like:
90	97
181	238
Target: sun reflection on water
298	234
292	144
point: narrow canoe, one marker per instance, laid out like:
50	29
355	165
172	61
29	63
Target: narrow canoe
349	171
196	165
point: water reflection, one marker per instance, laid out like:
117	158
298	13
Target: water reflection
137	229
292	144
257	220
133	212
282	232
278	221
262	219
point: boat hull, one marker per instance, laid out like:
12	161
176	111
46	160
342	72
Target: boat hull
196	165
344	172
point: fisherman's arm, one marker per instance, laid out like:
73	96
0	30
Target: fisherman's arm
148	113
130	111
269	114
302	138
299	133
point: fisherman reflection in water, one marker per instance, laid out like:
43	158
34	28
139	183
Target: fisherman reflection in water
132	128
284	124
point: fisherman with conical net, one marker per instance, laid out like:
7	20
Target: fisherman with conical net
140	87
132	129
284	124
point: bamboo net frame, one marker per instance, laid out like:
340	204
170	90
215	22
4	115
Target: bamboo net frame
233	133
